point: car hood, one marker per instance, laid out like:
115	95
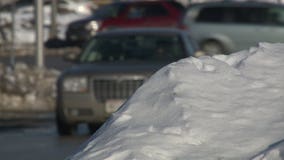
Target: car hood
114	68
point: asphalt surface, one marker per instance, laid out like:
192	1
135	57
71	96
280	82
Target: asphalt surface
37	140
33	135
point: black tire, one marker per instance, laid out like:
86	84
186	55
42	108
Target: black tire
212	47
93	127
63	128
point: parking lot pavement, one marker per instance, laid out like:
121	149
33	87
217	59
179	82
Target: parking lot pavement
22	118
36	139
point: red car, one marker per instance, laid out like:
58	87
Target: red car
127	14
145	14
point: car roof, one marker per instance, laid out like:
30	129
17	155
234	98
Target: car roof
236	3
142	1
176	4
154	30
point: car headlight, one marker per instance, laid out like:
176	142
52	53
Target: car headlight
75	84
92	26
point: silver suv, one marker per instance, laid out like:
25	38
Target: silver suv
111	67
225	27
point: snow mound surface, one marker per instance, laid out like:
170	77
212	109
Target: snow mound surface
226	107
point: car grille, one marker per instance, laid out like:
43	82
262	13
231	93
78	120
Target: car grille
115	89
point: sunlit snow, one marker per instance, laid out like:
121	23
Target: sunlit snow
226	107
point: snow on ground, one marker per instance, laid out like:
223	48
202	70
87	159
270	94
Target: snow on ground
210	108
24	23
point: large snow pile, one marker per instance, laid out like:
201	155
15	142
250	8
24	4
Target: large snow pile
210	108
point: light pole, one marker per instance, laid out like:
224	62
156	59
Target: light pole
53	27
13	29
39	34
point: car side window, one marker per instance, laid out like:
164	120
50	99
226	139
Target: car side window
110	11
155	10
141	11
252	15
260	15
135	12
211	14
242	15
230	14
275	16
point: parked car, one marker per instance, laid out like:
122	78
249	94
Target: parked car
81	7
225	27
126	14
111	67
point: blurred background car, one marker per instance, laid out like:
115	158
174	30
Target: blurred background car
23	25
81	7
125	14
228	26
111	67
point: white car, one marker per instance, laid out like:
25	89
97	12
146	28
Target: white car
226	27
80	7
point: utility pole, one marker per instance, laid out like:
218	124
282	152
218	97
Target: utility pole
39	34
53	27
13	30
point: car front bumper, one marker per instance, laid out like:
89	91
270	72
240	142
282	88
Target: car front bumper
79	108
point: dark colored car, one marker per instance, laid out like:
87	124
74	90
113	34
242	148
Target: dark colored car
126	14
111	67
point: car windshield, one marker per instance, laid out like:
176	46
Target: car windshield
133	47
109	11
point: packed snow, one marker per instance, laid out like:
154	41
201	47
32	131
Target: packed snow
225	107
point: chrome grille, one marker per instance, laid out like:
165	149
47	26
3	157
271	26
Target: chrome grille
115	89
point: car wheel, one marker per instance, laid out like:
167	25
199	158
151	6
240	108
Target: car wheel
63	128
93	127
212	48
